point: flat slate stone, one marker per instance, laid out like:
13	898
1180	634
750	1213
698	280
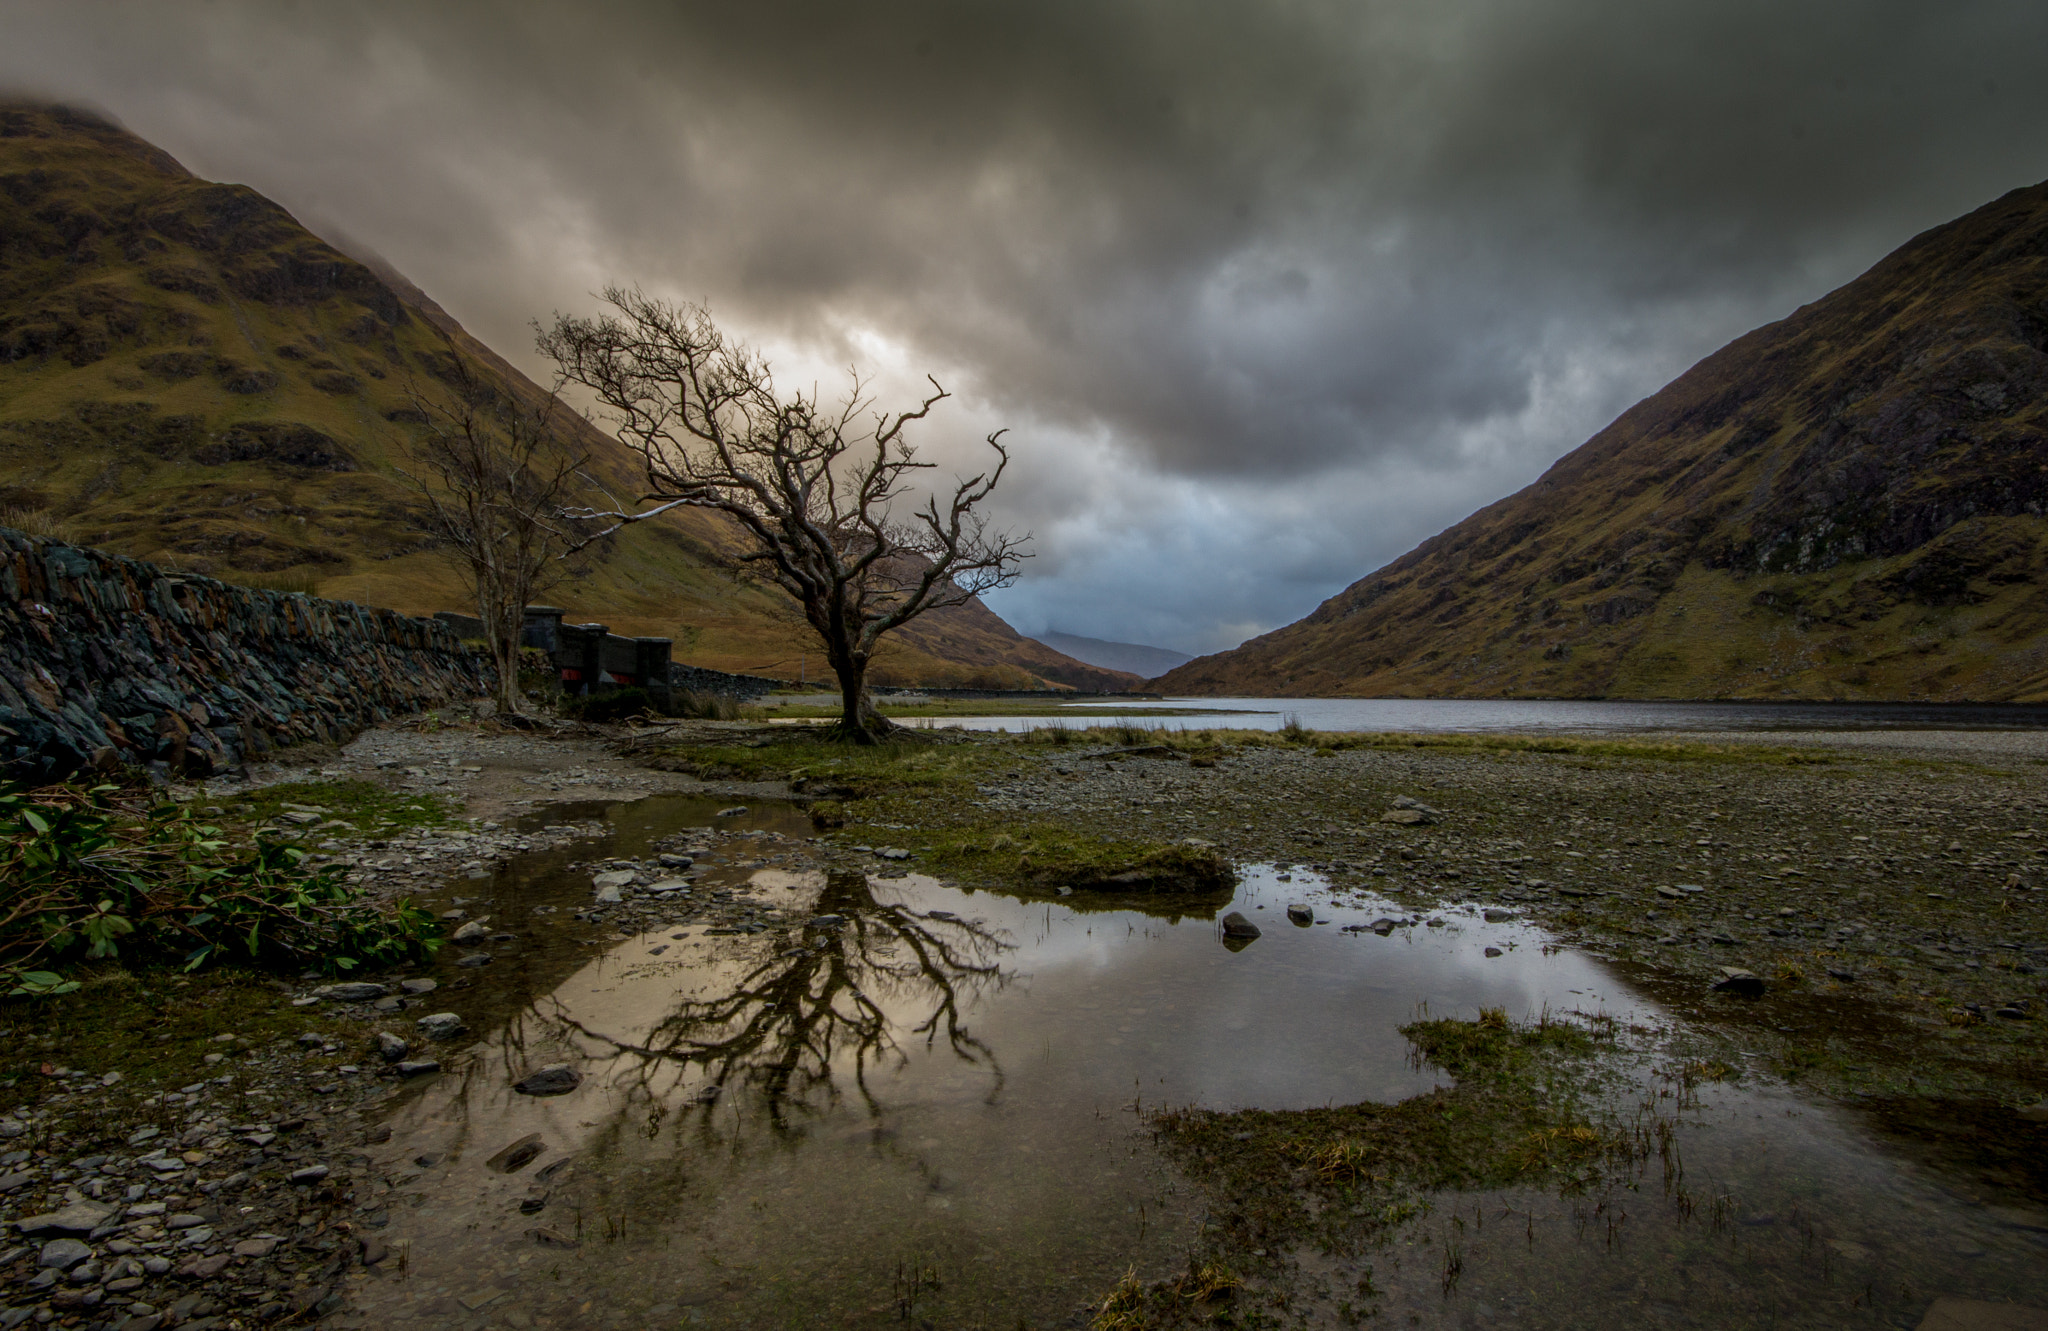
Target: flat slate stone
77	1218
1735	980
518	1155
355	991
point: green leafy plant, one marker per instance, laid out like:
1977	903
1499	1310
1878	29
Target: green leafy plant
103	874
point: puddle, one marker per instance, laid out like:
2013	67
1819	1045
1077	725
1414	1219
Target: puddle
1779	1215
916	1103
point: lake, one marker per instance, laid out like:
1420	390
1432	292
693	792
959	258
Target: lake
1516	715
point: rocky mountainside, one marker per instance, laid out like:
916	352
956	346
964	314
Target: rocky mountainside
1848	503
189	376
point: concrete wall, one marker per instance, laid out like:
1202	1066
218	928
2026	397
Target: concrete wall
105	660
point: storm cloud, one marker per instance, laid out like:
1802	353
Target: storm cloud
1265	292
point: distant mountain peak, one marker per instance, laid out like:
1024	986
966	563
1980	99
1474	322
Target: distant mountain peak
1136	658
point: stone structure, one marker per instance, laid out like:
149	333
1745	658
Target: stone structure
105	660
591	658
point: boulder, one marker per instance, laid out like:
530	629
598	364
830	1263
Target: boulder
476	931
391	1048
1301	914
1235	925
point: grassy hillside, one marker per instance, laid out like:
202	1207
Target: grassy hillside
1851	503
187	375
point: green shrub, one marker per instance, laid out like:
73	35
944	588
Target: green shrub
94	874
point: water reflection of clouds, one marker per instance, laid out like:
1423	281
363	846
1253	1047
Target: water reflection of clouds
1303	1016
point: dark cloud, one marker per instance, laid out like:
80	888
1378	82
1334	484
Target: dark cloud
1269	290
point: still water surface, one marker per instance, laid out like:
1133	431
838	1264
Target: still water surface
920	1105
1516	715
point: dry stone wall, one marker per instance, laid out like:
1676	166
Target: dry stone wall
106	660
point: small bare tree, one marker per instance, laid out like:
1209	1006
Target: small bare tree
813	485
496	477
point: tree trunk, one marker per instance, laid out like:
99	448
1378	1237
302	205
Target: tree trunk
510	701
502	624
858	719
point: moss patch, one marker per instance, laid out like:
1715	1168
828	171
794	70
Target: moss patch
368	808
1343	1178
153	1026
1050	856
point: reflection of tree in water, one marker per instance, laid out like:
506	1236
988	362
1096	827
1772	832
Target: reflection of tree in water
785	1023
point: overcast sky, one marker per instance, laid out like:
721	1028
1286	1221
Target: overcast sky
1266	292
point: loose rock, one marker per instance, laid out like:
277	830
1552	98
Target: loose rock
554	1079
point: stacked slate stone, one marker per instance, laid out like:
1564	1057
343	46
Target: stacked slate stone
106	660
699	680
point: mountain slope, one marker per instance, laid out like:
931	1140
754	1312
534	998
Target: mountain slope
1134	657
187	375
1848	503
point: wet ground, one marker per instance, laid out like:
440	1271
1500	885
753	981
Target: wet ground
918	1104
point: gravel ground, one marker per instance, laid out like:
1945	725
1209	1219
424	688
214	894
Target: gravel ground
1889	900
1885	887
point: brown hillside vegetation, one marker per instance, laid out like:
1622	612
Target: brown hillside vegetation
188	375
1846	504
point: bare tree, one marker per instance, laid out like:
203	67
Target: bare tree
813	485
495	476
